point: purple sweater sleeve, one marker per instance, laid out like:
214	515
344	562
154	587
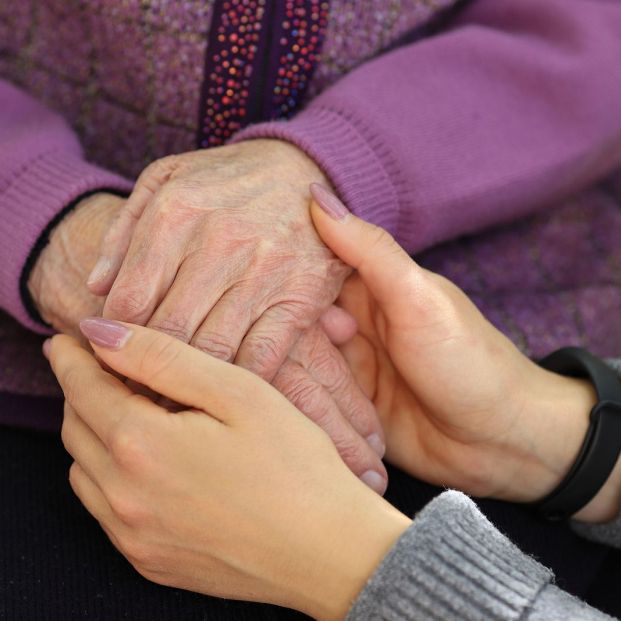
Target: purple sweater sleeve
513	108
41	172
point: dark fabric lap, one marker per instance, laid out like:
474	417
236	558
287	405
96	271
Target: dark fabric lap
56	563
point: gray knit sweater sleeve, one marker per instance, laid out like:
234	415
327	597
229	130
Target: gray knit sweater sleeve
453	564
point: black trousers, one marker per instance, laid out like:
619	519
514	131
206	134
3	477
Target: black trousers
56	564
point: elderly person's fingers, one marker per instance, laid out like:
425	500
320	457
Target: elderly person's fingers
118	238
153	260
271	337
198	288
325	364
310	397
227	227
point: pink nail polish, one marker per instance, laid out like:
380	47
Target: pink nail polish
47	344
328	201
105	332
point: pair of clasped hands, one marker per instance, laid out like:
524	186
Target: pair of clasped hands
238	494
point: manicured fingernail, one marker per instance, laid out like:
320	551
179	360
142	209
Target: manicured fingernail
328	201
47	344
375	442
105	332
374	480
100	271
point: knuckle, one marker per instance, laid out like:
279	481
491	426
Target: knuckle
174	327
159	170
381	245
331	368
215	345
176	205
71	383
142	555
128	303
159	357
128	449
352	453
307	396
263	352
128	509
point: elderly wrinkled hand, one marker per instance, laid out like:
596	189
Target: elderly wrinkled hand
217	248
238	495
57	281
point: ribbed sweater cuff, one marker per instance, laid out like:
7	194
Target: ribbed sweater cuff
452	564
30	201
359	164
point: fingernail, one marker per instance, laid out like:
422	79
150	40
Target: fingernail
47	344
375	442
328	201
99	272
104	332
374	480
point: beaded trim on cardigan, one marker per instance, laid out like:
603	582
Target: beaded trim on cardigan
259	62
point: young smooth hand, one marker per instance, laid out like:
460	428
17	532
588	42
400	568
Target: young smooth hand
460	405
239	495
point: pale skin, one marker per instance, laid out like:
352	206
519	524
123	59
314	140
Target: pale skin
302	531
216	247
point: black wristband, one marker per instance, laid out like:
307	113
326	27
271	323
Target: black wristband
602	444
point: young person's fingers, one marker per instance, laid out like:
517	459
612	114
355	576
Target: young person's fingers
101	399
383	265
91	496
84	445
178	371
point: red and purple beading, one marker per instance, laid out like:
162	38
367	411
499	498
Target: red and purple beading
260	60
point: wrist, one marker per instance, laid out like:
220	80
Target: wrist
554	419
363	532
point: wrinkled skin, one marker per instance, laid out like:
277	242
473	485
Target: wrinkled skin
57	281
313	374
216	247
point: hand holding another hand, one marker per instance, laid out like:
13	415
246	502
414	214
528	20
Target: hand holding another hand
460	405
217	248
238	495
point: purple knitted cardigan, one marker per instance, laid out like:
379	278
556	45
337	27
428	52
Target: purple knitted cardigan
511	114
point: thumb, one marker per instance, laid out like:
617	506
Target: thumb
386	269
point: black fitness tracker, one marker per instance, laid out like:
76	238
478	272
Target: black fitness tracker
602	444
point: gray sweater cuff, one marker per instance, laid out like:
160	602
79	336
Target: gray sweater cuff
452	564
